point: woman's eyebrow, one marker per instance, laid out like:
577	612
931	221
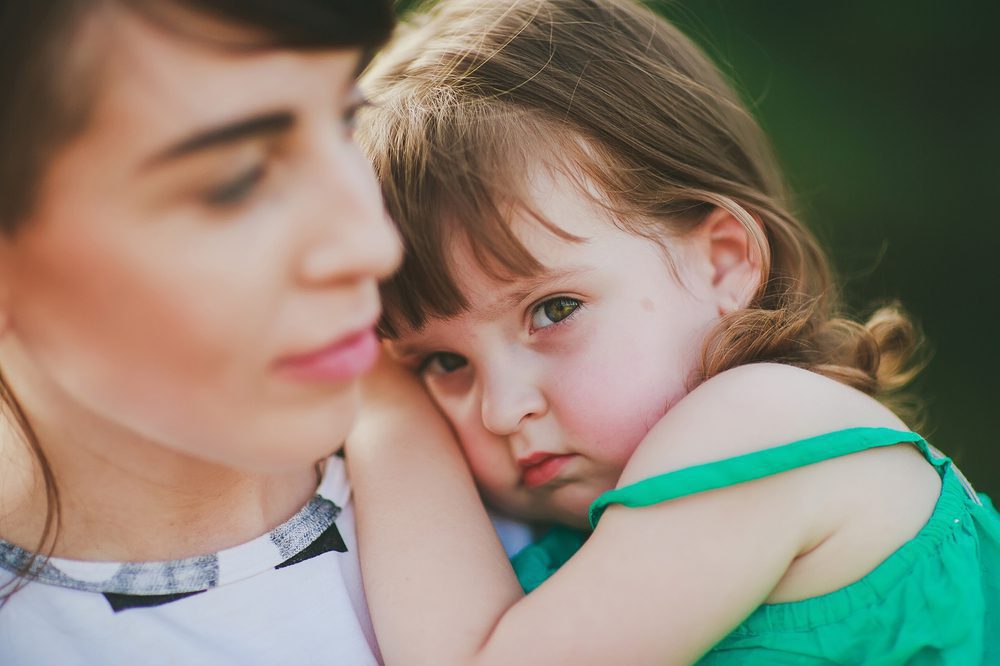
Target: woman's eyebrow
223	135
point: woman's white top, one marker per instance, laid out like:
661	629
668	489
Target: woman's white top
292	596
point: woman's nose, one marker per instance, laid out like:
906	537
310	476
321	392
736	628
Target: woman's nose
511	396
367	247
353	237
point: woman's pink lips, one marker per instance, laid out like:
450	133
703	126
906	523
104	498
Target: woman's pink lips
342	360
540	468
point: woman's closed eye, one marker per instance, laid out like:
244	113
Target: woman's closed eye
553	311
350	117
236	190
441	363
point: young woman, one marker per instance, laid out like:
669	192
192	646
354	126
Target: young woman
188	288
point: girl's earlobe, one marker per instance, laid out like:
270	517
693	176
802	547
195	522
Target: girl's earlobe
727	305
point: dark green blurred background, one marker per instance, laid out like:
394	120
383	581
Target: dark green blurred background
884	115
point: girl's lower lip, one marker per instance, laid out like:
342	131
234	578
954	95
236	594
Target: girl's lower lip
534	476
341	361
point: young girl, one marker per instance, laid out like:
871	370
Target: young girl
188	291
607	297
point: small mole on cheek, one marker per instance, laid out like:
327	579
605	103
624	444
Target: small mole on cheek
647	305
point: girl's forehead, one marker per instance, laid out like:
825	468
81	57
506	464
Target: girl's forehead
486	289
559	215
479	267
568	237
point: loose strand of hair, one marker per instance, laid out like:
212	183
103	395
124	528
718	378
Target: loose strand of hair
50	529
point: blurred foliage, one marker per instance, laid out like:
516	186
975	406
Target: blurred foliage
884	115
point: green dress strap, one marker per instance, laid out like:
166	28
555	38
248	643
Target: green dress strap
757	465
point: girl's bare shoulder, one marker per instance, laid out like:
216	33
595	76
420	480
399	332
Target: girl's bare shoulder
849	513
753	407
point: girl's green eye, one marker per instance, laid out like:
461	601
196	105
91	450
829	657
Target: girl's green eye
442	363
553	311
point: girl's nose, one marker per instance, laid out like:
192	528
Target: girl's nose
510	397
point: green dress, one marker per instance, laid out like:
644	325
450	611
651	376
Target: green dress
936	600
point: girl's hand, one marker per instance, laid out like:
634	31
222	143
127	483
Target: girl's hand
392	390
394	406
405	468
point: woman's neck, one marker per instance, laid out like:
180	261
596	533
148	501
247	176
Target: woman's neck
123	498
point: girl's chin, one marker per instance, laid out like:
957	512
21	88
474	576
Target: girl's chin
570	516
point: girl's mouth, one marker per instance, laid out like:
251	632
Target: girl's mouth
539	469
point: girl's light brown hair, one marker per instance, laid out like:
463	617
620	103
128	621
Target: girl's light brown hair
474	96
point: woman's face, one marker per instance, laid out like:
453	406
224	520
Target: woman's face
200	269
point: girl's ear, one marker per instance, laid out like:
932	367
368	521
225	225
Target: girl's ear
733	257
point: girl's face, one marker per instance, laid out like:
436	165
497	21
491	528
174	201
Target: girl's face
551	382
200	271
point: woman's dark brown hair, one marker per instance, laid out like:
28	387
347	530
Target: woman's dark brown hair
47	82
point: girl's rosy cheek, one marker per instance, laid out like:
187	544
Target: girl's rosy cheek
611	407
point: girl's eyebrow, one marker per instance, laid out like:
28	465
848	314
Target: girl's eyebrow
523	288
224	135
408	353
